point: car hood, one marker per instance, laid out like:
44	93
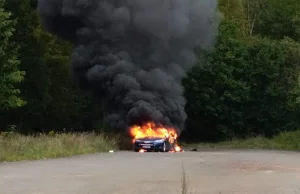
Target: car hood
150	139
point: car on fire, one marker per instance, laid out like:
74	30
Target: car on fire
161	144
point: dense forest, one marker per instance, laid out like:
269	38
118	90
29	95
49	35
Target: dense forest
247	85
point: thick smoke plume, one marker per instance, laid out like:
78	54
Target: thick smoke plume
134	53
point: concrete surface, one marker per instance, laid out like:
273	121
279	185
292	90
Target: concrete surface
208	172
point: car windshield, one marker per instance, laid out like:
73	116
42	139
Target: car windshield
152	138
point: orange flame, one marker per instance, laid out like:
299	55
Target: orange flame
177	148
150	129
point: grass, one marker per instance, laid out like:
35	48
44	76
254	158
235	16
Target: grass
283	141
15	147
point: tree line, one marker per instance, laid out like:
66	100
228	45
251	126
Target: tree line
247	85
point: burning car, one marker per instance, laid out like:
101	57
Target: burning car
154	144
151	137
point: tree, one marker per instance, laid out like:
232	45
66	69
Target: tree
234	11
273	79
53	100
243	88
10	75
273	18
216	90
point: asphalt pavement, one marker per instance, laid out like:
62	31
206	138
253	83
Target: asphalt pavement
209	172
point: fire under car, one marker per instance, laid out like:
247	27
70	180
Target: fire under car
159	144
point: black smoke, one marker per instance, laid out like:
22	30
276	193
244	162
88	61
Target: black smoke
134	53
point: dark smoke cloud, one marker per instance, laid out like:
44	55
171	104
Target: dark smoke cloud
134	53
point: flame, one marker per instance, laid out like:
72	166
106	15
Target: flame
177	148
150	129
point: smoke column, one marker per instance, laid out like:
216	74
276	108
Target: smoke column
134	53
